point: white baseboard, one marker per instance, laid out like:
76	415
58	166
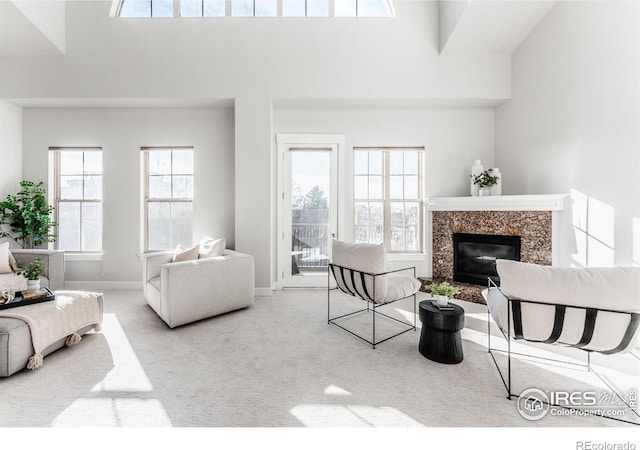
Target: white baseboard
263	291
100	285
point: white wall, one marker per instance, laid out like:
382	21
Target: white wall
121	133
453	138
572	125
253	61
10	148
48	16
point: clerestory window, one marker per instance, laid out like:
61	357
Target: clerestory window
255	8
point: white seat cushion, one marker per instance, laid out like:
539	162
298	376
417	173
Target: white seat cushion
400	286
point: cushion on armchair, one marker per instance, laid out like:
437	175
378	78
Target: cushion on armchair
601	289
368	258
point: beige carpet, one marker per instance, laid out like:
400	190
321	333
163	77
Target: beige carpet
276	364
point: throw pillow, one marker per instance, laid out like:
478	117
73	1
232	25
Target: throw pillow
185	255
210	247
13	263
5	267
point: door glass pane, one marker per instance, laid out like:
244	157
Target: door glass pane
310	219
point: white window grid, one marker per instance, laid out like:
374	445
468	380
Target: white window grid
171	199
58	198
260	8
386	200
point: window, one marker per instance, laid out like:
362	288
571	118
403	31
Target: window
146	8
78	199
305	8
388	198
255	8
168	197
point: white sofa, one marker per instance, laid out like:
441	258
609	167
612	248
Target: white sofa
595	309
52	275
186	291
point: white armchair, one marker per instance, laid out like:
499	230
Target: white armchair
183	292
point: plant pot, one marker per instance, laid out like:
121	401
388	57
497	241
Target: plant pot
484	192
33	285
442	300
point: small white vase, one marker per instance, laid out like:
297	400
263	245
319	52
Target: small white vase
33	285
442	300
484	192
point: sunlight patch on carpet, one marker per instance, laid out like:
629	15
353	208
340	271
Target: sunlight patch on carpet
127	374
103	407
113	412
352	416
621	380
335	390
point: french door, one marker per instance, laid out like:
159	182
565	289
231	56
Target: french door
309	212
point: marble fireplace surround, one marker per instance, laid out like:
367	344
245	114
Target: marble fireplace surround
532	217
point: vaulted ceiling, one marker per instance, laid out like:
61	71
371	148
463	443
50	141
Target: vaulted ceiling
36	27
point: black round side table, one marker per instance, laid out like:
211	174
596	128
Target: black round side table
440	339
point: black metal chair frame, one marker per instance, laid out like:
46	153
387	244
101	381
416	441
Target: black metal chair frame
515	305
371	304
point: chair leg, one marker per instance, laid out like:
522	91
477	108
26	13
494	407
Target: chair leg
373	340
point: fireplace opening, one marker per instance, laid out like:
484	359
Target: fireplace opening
474	256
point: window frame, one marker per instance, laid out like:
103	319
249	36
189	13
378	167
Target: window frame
146	199
57	198
386	199
117	9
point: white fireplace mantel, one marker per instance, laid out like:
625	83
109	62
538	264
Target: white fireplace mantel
535	202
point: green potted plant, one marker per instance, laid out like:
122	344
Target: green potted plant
28	216
485	181
32	273
443	292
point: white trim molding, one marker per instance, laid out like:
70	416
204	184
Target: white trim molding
263	292
102	285
535	202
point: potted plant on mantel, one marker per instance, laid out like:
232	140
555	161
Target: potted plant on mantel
28	216
485	181
443	292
